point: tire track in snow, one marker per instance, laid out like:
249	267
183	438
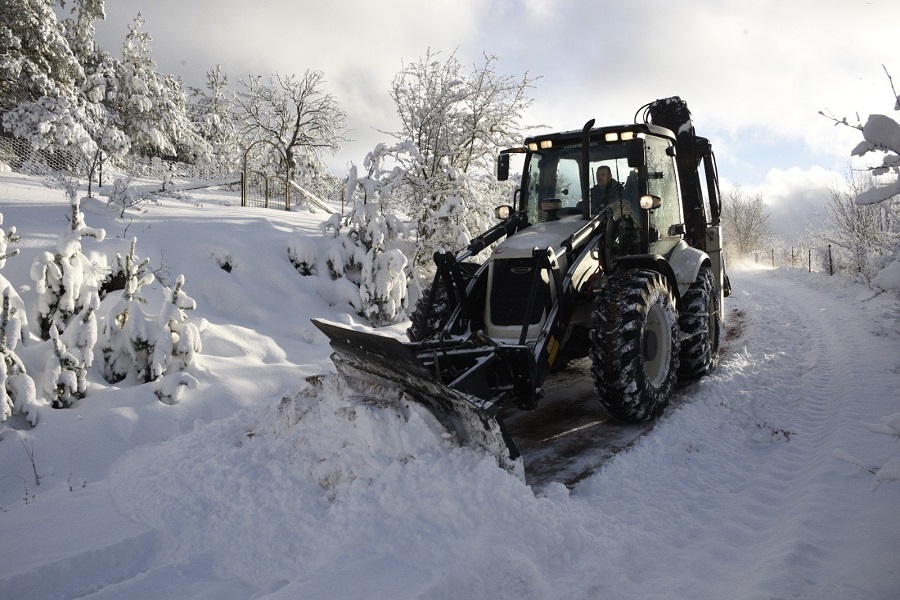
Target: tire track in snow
735	492
814	372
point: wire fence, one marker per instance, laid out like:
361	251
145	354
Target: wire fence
826	259
321	191
23	158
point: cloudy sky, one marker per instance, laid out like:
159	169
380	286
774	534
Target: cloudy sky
755	74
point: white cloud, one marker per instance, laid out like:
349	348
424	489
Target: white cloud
751	72
795	199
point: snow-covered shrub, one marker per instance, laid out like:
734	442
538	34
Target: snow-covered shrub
67	281
123	196
383	287
303	254
170	387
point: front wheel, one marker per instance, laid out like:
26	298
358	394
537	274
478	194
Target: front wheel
634	345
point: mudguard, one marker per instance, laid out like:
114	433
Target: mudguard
686	262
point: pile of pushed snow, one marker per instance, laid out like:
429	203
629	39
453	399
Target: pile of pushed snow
282	489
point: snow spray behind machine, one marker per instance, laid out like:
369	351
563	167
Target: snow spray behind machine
628	272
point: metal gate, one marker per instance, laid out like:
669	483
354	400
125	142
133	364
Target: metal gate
264	189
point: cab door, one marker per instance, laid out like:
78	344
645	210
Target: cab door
667	221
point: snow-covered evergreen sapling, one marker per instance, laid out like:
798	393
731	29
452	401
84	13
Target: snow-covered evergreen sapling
17	392
180	339
17	389
377	237
73	354
125	337
67	281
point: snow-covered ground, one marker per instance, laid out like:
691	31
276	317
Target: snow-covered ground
776	477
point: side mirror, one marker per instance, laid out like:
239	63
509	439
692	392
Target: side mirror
503	167
636	153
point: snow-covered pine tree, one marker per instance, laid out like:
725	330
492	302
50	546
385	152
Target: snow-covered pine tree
126	334
17	389
17	307
153	107
39	75
179	339
17	392
5	240
73	354
378	236
66	281
98	89
212	111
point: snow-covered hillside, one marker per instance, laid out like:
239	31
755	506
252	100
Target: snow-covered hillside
778	476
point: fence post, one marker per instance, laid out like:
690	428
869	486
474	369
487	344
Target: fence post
810	260
830	262
773	258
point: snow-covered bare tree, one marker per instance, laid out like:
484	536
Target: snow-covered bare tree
457	119
67	280
746	223
881	137
293	114
857	233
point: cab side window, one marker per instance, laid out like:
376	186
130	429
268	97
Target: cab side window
662	182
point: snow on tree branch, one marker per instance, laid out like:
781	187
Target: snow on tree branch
881	134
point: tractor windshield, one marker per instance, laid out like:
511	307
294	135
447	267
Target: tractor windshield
554	173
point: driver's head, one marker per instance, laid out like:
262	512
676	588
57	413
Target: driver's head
604	175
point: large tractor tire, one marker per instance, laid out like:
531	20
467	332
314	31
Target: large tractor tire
634	345
699	324
441	307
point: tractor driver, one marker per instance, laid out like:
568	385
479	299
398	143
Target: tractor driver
607	190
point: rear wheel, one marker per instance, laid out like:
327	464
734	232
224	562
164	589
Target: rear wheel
634	345
699	324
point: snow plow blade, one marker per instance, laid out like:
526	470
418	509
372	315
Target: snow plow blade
392	364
